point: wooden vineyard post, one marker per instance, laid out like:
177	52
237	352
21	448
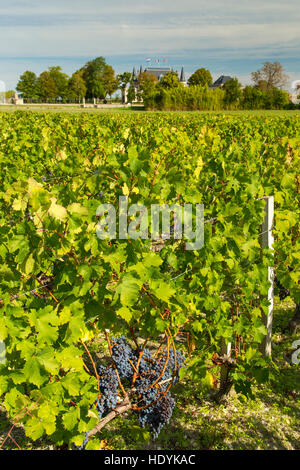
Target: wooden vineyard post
225	382
267	242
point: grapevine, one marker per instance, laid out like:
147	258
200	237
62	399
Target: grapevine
62	288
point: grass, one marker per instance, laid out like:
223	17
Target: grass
270	420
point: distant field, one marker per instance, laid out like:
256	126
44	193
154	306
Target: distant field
125	109
59	108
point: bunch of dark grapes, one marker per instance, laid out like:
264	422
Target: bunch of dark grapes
158	415
180	358
121	354
154	377
155	401
108	384
152	385
152	381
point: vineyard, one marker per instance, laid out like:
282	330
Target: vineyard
97	330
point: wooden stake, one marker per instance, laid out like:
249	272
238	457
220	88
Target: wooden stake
267	242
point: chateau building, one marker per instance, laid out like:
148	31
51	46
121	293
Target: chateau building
159	73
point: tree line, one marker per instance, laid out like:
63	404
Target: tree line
169	93
96	79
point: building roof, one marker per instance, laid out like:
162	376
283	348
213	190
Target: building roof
134	75
182	75
158	71
221	81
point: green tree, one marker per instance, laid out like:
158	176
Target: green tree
92	74
47	90
140	90
170	80
200	77
131	95
262	85
76	87
233	92
272	73
61	81
253	98
27	86
123	81
277	99
110	83
147	87
96	89
9	94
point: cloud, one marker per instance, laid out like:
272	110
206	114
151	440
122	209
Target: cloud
219	30
230	8
46	36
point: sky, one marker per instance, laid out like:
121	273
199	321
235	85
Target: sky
231	38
